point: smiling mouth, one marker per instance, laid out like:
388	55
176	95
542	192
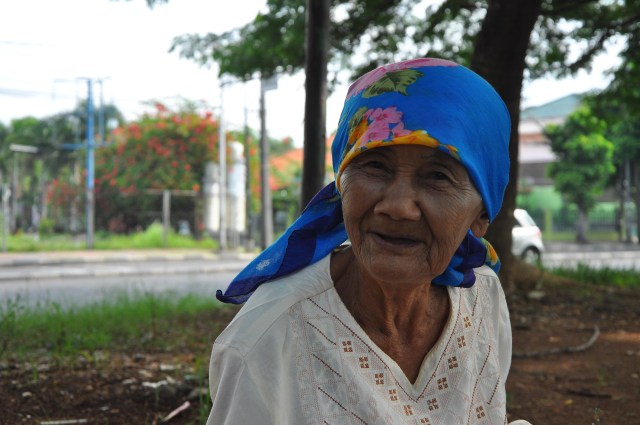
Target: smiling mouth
396	240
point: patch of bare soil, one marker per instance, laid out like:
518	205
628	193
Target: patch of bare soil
132	387
594	379
576	353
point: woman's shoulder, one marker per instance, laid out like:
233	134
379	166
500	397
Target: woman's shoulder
266	310
486	272
487	286
486	277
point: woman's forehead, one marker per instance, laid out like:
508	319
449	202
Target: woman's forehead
413	153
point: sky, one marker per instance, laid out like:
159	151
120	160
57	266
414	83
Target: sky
49	48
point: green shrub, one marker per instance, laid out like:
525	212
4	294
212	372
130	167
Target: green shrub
605	276
124	319
45	227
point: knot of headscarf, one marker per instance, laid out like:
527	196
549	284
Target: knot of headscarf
429	102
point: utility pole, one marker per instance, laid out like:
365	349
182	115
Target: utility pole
265	192
627	203
101	112
90	147
90	203
222	165
17	148
247	183
6	193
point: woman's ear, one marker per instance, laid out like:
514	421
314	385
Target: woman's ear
480	225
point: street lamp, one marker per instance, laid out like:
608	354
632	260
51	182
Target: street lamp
23	148
16	148
265	192
222	162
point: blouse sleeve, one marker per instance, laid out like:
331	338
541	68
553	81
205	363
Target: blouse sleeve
237	397
504	332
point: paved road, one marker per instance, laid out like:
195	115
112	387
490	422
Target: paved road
76	277
73	278
80	290
596	255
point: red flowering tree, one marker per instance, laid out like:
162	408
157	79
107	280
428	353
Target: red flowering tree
164	150
65	196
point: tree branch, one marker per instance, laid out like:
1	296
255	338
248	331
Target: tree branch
560	10
561	350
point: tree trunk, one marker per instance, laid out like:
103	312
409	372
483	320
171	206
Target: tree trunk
635	190
499	56
581	225
317	42
621	216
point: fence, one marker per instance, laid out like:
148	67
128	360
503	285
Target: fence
118	213
565	219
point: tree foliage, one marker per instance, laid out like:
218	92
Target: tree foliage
391	30
274	41
164	150
564	36
622	113
585	161
53	136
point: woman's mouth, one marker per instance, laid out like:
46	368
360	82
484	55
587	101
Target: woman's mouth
395	240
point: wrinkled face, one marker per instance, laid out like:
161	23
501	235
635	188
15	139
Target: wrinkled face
406	210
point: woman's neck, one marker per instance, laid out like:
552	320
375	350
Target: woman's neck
405	321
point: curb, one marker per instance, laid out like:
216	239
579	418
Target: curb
564	247
36	274
93	257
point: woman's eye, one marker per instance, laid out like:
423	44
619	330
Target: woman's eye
375	165
437	175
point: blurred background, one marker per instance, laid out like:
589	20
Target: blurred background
162	76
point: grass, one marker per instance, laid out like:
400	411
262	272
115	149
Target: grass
125	323
603	277
152	237
129	320
121	323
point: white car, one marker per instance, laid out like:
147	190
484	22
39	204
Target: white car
526	237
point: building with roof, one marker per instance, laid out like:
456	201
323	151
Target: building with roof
535	150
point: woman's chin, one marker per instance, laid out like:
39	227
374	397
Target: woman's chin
399	271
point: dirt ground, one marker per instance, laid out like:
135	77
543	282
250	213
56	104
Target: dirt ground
597	383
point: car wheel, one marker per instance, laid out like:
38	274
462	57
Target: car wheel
531	255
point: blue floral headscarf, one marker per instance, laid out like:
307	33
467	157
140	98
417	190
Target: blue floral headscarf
430	102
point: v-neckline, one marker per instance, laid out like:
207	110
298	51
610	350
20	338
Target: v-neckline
430	361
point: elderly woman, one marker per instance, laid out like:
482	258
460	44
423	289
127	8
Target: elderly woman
406	323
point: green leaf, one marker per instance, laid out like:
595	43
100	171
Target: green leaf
357	117
396	81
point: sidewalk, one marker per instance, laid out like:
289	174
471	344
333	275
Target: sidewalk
13	259
596	246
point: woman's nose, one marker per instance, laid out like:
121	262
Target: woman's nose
399	201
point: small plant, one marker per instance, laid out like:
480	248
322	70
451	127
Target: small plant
8	323
45	227
152	237
81	331
596	417
605	276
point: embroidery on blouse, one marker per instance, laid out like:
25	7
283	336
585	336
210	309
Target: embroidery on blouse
347	357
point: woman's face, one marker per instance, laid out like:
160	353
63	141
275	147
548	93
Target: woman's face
406	210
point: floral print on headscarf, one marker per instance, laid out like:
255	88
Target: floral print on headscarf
429	102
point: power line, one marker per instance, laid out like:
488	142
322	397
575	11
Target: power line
37	44
28	93
22	43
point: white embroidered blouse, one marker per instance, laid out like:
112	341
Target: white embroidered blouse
295	355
